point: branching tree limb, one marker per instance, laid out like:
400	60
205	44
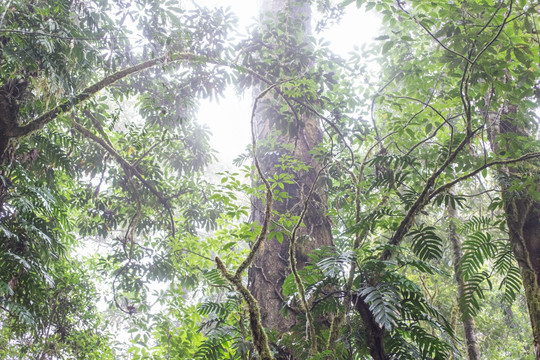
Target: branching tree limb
427	194
41	121
450	184
423	198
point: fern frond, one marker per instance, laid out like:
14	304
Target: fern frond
213	349
511	284
383	301
477	248
334	266
53	154
504	259
214	279
427	245
430	346
473	292
476	224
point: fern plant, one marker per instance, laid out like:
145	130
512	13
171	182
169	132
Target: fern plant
482	251
225	328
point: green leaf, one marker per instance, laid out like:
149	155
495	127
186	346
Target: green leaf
383	302
279	237
427	245
387	46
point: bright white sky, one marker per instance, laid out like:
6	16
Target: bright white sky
229	119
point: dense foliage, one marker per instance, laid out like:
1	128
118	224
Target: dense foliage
110	224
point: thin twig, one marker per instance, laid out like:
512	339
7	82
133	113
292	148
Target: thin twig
4	13
486	25
501	27
431	34
372	108
448	185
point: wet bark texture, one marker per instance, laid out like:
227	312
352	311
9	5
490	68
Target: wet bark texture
523	219
271	266
469	326
522	215
375	335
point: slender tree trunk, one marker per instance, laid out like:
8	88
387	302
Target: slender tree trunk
272	266
522	215
469	326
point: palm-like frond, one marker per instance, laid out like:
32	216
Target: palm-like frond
427	245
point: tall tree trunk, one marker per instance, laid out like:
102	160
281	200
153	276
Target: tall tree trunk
469	326
272	266
522	214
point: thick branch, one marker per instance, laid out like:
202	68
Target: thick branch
423	198
41	121
260	339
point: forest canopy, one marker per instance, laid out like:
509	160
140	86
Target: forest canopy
387	205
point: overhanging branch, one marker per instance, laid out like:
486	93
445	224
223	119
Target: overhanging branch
449	185
40	122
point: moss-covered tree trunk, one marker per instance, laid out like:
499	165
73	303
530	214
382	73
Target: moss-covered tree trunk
272	264
521	209
469	326
523	219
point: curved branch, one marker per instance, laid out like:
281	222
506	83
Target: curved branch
432	35
501	27
269	198
40	122
450	184
329	122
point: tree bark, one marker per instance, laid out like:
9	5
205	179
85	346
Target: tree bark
522	215
375	335
272	266
469	326
523	219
